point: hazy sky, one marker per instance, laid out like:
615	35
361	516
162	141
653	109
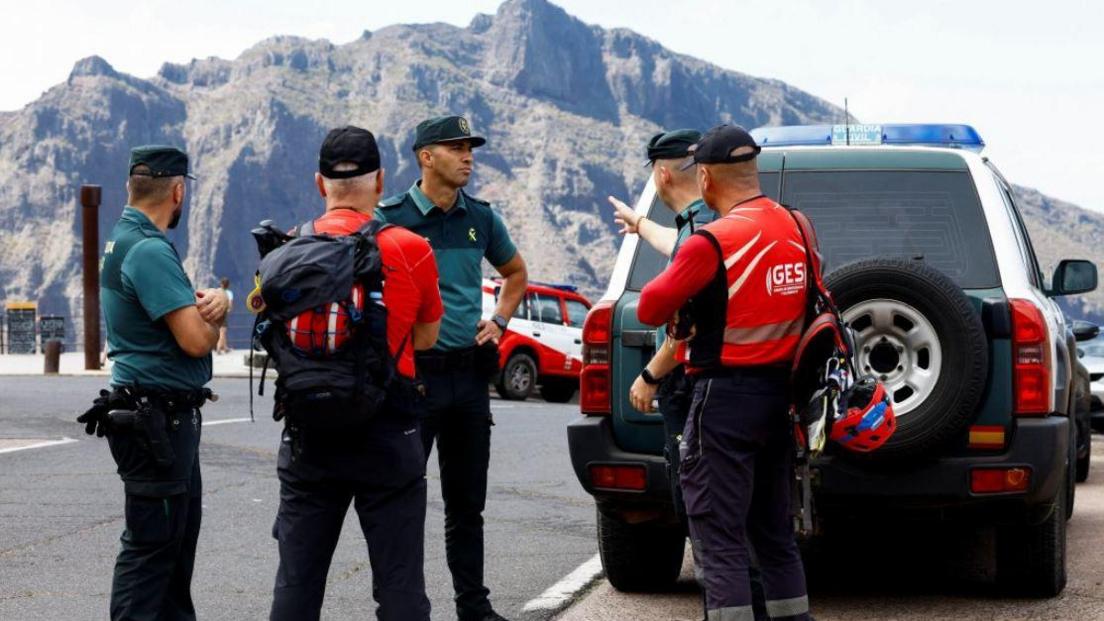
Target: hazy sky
1028	75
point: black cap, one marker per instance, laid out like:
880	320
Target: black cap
445	129
161	160
671	145
717	145
348	144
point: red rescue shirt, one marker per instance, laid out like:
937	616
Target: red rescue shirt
410	290
755	275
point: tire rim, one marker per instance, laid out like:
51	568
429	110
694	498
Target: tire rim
897	344
519	379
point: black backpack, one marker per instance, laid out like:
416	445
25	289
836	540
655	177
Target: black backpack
323	325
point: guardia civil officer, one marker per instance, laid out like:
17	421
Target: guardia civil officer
379	469
463	231
678	189
160	333
736	446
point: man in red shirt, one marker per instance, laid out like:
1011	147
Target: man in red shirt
381	471
738	287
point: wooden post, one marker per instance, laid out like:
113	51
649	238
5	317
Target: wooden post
90	226
52	348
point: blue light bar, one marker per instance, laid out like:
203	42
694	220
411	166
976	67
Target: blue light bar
552	285
924	134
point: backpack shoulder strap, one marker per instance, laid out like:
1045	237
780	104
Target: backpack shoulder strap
812	266
373	227
306	228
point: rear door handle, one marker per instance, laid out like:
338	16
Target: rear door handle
537	334
578	341
638	338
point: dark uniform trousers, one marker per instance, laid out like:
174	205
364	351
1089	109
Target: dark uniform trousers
458	417
153	572
736	478
380	470
674	395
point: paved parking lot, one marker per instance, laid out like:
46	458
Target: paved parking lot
899	574
61	511
61	516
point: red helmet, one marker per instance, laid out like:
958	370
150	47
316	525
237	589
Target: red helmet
868	420
322	331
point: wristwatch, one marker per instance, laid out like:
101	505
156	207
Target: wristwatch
648	378
501	322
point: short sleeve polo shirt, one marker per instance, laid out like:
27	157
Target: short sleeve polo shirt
696	215
461	238
141	281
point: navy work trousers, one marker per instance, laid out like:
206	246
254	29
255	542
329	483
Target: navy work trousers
153	572
458	417
381	472
736	477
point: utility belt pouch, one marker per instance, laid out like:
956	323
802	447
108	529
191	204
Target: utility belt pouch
486	359
149	426
156	431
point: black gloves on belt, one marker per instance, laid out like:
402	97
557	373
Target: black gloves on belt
95	419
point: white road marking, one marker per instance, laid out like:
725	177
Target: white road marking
38	445
561	592
225	421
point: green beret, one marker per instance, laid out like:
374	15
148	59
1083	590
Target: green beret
162	161
671	145
445	129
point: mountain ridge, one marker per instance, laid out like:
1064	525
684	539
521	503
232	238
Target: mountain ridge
566	108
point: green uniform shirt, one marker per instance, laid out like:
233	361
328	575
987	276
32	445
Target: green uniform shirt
461	238
697	213
690	219
142	280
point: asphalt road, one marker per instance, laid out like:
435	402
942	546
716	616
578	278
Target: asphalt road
61	511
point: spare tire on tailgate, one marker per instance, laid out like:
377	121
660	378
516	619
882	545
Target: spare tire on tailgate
917	331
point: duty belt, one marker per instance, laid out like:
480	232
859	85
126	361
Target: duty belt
771	371
439	360
174	400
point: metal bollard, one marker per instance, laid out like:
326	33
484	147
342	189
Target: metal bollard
53	357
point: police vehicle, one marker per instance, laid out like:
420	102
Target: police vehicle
981	385
543	344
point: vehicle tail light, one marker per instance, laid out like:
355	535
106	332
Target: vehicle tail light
632	477
595	383
1031	359
999	480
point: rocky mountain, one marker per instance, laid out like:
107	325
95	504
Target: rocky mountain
1061	230
566	108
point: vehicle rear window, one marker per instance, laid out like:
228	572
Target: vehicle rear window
648	262
933	216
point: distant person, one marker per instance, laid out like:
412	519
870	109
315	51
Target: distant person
377	466
223	344
160	334
463	231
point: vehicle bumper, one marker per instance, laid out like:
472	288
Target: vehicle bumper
590	442
942	486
